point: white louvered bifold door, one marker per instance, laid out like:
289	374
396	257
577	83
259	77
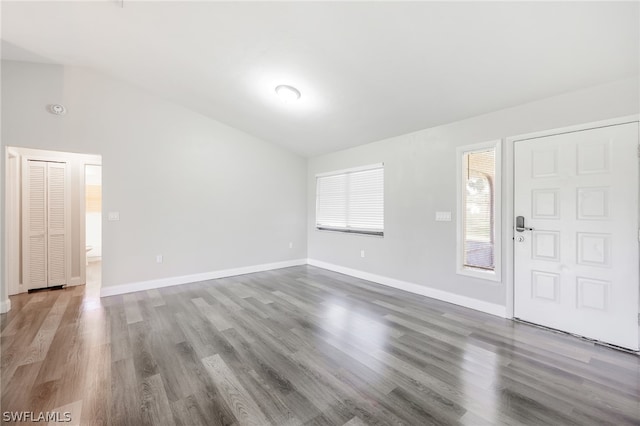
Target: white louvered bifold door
34	224
44	205
56	215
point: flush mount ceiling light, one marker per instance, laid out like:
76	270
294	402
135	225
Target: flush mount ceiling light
288	93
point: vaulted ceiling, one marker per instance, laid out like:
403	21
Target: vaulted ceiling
366	70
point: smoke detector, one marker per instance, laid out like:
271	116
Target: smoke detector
57	109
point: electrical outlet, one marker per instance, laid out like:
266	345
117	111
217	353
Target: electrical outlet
361	253
159	258
114	216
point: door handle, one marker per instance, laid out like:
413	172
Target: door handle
520	225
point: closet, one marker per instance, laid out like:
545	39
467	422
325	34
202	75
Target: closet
45	240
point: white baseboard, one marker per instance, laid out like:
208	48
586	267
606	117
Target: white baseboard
5	306
456	299
185	279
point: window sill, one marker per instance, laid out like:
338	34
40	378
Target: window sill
352	231
480	274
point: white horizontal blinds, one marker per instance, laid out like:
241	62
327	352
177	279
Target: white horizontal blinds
479	209
332	201
366	200
351	200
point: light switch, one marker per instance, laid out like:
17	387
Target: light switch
114	215
443	216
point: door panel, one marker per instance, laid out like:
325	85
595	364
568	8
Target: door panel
56	197
577	270
34	206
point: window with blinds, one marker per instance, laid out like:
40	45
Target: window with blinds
478	216
479	208
351	200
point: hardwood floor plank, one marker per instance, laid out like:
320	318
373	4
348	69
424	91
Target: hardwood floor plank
131	308
97	396
170	367
354	401
237	398
143	357
272	366
222	298
205	400
15	394
155	405
155	297
74	410
187	412
272	403
218	321
267	385
44	395
57	354
126	402
339	360
356	421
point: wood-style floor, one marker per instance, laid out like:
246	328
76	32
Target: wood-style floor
300	346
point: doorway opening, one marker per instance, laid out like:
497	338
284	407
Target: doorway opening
93	227
47	210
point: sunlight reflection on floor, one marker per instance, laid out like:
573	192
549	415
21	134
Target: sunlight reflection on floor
92	290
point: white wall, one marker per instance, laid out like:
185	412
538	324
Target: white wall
420	179
206	196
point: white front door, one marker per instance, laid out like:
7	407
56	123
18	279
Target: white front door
576	270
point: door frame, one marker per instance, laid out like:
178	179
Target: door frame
508	168
15	249
67	220
13	210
